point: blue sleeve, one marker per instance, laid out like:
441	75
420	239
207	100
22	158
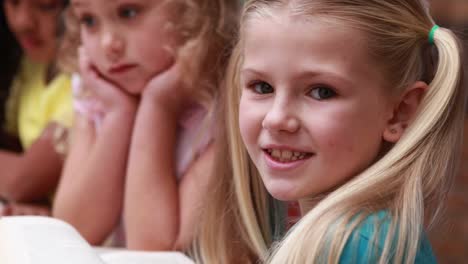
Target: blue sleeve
359	249
362	247
425	253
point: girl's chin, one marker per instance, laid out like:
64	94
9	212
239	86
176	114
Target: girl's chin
283	192
38	57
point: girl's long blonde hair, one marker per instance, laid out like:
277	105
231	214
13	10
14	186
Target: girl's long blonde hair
408	181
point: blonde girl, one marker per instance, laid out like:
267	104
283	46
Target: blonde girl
150	74
352	107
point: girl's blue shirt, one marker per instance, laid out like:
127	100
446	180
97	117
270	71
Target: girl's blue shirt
359	247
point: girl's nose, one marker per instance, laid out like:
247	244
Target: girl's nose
281	118
113	46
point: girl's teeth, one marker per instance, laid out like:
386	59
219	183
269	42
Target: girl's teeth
286	155
276	153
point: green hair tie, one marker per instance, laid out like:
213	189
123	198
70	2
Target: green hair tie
431	34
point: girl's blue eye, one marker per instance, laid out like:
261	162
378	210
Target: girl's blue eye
262	88
128	12
322	93
88	21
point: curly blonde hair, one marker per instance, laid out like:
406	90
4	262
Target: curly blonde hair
206	29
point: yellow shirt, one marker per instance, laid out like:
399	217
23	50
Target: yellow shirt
33	104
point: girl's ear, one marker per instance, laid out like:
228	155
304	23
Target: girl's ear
404	111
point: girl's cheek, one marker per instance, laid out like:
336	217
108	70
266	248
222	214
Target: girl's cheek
90	45
245	121
251	116
84	39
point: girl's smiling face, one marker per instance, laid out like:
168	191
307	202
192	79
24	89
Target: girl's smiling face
313	107
127	40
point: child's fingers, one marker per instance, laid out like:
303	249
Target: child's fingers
169	78
91	78
101	87
104	90
94	82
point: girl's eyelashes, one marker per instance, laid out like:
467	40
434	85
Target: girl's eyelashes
88	21
125	12
261	87
322	93
128	11
318	92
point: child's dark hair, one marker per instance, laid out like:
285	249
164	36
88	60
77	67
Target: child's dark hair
10	52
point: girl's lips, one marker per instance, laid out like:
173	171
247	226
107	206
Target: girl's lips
283	166
121	68
30	43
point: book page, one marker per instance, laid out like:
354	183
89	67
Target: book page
42	240
143	257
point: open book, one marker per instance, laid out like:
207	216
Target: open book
44	240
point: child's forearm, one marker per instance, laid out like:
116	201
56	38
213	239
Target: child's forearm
9	178
151	196
193	191
91	189
32	175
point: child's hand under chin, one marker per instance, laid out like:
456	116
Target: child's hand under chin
167	89
112	97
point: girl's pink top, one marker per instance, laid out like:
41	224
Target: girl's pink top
193	137
85	104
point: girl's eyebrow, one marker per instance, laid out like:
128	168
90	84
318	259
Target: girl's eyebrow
302	75
250	71
77	3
